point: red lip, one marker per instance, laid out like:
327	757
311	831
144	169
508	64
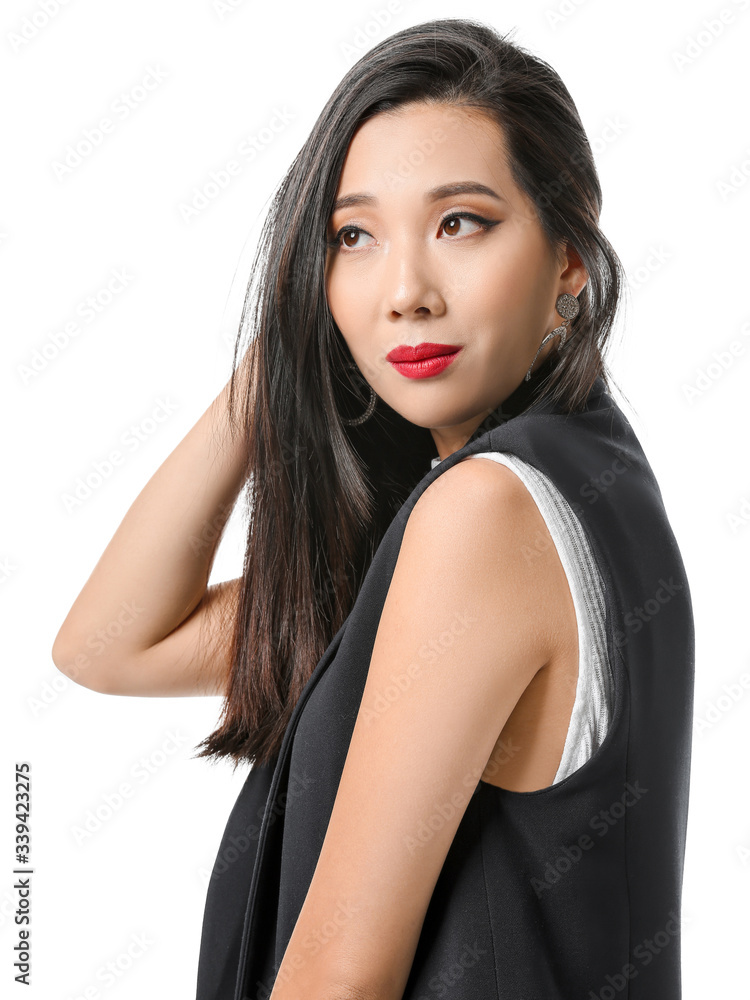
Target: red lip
422	361
405	353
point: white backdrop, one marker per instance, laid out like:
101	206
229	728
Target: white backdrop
189	86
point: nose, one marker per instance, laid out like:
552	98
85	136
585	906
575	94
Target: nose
411	282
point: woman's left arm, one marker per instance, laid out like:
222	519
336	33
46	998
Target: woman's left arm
463	631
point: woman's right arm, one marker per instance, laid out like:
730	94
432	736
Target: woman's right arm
146	622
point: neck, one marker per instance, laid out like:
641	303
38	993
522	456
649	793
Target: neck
518	400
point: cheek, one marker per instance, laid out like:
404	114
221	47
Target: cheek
335	294
349	310
341	302
512	281
499	285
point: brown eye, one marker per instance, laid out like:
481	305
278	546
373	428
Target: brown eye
454	221
341	240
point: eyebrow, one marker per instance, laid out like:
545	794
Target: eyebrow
434	194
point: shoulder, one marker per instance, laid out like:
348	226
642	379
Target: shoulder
476	538
475	502
481	482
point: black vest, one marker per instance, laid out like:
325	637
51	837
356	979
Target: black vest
572	891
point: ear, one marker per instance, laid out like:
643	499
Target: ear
573	274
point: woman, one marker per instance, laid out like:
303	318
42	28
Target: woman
465	686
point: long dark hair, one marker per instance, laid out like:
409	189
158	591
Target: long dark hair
320	493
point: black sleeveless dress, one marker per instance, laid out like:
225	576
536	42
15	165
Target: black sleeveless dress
571	891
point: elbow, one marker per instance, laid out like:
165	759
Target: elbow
77	665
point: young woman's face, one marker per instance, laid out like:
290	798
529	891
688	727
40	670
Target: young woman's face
469	270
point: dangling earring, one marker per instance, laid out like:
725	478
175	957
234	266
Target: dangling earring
567	306
370	406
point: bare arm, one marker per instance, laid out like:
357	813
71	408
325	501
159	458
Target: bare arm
146	622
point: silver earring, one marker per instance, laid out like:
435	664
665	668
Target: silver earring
567	306
370	406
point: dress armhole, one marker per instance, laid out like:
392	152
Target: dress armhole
594	699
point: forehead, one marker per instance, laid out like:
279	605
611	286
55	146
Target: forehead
420	146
